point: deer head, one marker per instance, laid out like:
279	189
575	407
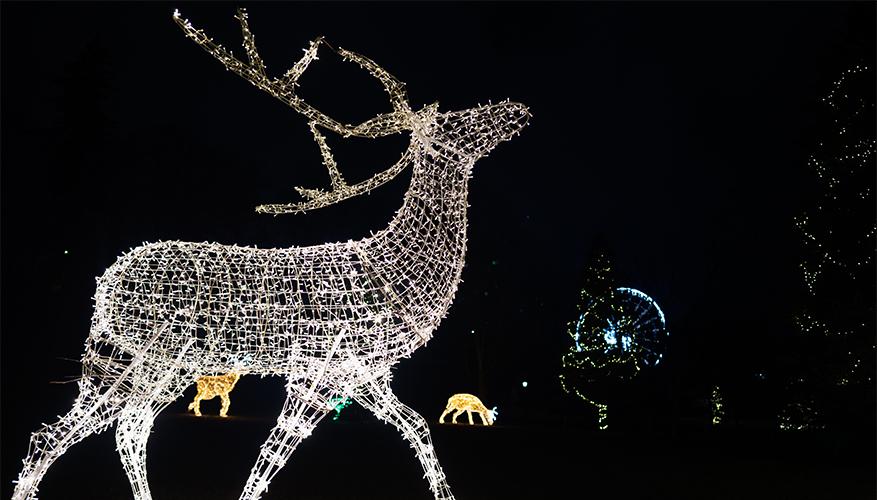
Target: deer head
402	118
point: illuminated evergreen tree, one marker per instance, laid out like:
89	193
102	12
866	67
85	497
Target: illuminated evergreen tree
617	332
587	373
833	384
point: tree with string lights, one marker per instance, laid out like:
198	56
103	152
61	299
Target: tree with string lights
617	332
832	383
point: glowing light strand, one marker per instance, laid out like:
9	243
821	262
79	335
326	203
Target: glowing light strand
846	150
333	318
858	155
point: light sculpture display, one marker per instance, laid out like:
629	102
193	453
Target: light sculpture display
469	404
210	386
333	318
617	335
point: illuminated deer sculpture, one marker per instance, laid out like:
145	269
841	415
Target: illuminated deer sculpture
210	386
332	318
458	403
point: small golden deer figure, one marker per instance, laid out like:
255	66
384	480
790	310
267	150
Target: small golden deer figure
211	386
468	403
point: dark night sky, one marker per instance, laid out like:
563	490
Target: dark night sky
654	124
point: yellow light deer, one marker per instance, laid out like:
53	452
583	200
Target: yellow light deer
469	404
210	386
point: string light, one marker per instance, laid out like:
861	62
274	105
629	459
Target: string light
839	235
333	318
828	165
469	404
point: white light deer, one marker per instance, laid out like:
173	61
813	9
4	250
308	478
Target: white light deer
332	318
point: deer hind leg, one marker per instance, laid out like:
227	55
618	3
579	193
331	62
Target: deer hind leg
132	433
226	402
296	421
95	409
456	414
378	397
136	420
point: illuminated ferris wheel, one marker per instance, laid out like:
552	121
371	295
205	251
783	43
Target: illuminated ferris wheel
624	325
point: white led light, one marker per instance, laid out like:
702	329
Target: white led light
333	318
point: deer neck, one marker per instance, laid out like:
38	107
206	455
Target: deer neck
419	257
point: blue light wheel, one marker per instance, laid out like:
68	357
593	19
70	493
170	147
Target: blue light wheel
623	326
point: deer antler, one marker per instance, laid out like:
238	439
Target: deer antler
402	118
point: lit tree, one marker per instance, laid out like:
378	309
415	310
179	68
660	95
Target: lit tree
617	332
580	374
833	384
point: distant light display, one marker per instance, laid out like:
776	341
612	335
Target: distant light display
333	318
632	329
617	335
716	406
839	235
458	403
340	404
210	386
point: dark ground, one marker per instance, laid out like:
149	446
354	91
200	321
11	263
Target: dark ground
359	458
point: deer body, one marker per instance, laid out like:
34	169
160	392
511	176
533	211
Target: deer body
332	318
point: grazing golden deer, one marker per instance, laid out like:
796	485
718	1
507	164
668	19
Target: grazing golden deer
468	403
210	386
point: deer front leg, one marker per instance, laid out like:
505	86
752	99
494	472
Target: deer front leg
296	421
442	418
196	405
483	418
378	397
226	401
